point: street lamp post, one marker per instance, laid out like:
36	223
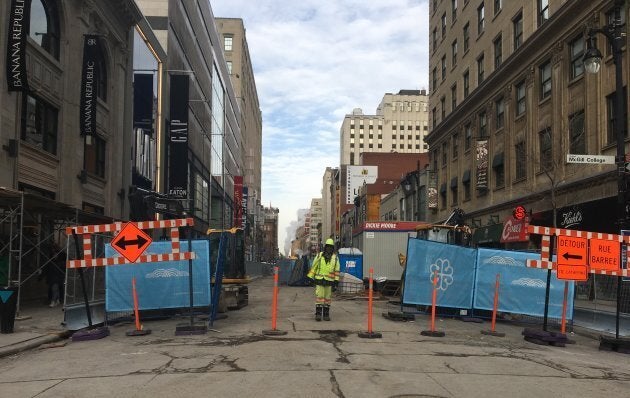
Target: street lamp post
615	35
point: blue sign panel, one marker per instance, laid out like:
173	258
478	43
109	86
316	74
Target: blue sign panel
522	289
159	285
351	264
455	268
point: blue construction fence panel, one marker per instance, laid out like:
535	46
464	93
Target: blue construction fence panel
521	289
285	268
455	268
159	285
351	264
467	280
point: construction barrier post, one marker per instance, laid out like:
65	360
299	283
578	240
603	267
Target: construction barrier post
563	325
433	332
492	331
370	334
274	308
140	330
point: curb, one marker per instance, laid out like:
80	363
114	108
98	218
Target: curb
33	343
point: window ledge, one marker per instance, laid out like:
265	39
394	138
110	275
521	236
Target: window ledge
576	80
520	117
545	100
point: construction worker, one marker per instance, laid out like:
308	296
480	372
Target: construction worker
325	274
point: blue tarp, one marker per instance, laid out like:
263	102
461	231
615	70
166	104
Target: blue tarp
456	273
522	289
159	285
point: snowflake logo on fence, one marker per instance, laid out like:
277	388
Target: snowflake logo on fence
444	273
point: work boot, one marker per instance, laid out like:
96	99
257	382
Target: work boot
327	313
318	313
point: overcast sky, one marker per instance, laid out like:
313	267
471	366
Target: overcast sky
314	62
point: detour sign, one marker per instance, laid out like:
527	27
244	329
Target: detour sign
571	250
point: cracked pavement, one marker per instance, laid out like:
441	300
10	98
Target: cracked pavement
315	359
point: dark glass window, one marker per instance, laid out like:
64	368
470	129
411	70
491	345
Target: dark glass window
481	19
520	98
543	11
454	53
517	23
483	125
466	84
94	156
498	52
545	80
520	157
576	47
455	145
466	36
44	25
40	128
500	112
480	69
577	139
544	140
453	99
467	136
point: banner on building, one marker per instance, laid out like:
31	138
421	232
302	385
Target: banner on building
143	102
238	201
178	138
89	86
432	192
356	176
244	206
17	31
482	164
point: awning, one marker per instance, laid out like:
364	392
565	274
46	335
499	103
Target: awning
453	182
466	176
497	160
487	234
443	188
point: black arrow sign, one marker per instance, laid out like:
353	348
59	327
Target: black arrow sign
571	256
122	243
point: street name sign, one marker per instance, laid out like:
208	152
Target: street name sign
590	159
131	242
572	250
604	255
572	272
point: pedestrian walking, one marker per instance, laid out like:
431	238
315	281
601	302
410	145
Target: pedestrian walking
325	274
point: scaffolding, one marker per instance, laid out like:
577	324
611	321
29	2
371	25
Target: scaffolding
32	236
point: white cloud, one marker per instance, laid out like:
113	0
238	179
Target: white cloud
314	61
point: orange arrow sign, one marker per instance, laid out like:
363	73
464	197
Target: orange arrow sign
131	242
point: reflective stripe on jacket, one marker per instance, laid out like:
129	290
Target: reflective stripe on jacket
323	270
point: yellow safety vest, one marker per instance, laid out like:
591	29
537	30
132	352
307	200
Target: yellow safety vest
325	270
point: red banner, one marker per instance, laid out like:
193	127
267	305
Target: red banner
238	199
515	230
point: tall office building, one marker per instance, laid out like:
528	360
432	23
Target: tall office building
239	66
399	125
213	154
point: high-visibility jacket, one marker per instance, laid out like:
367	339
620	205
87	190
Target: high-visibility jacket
325	271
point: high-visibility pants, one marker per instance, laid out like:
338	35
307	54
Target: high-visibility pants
323	295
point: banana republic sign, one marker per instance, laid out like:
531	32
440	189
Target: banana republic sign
89	79
16	45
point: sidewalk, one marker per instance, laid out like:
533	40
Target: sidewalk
36	325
